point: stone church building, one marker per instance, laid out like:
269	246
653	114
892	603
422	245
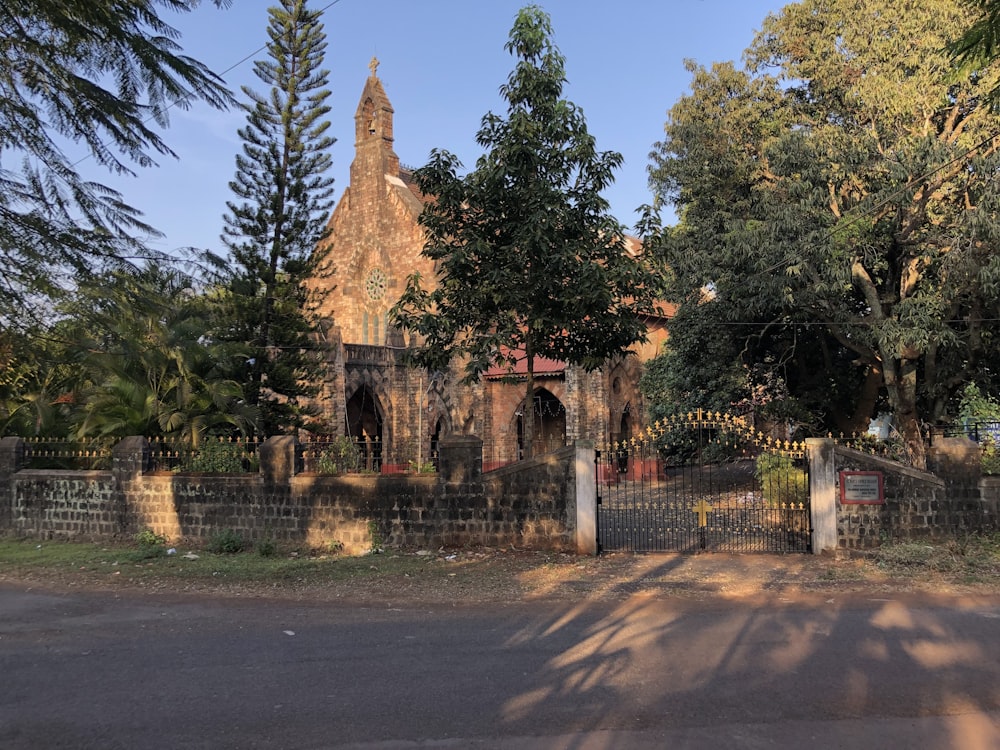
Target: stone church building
400	412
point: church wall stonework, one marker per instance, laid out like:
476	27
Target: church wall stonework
374	244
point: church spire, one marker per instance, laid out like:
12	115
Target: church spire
373	129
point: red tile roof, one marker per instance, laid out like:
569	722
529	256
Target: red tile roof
542	366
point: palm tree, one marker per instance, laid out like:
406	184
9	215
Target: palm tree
153	370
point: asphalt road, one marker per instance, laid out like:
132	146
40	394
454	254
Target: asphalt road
98	671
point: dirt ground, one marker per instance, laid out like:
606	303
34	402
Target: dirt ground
506	575
483	575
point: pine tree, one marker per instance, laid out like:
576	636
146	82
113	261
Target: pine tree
278	217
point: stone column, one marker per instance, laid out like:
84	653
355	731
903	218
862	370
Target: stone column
586	498
822	494
12	459
129	459
958	462
277	459
460	460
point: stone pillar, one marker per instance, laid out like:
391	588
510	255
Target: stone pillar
129	459
586	498
12	460
460	460
958	461
277	459
822	494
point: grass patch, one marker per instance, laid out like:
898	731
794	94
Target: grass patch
972	557
79	563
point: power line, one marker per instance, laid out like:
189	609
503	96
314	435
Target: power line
178	101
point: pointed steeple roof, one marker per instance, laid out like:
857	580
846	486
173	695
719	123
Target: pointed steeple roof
373	122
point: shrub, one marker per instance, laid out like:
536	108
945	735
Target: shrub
267	547
150	544
375	534
422	467
219	456
781	480
339	456
226	542
990	459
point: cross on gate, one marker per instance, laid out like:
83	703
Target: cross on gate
702	508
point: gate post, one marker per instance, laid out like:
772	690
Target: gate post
586	498
822	494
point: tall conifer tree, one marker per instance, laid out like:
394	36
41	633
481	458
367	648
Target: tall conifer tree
278	216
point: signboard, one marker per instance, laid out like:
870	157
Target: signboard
861	487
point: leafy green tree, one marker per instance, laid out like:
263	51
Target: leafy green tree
149	367
841	187
278	218
97	73
38	378
979	43
530	262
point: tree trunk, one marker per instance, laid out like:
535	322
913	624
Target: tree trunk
864	409
901	383
528	415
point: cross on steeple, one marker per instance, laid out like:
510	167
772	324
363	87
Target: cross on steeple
373	66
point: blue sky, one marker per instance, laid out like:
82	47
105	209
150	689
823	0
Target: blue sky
442	63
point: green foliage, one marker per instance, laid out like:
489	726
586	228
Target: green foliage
530	261
976	406
422	467
990	460
220	456
149	367
979	44
781	481
226	542
150	544
101	77
830	261
275	224
375	537
335	547
339	456
267	547
39	381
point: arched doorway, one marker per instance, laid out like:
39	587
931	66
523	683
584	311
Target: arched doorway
435	439
364	426
549	424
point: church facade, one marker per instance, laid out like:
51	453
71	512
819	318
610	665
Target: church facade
399	412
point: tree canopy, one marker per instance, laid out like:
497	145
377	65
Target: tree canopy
529	260
100	74
277	219
836	197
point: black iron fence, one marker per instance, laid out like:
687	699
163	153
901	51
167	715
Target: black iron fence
61	453
214	455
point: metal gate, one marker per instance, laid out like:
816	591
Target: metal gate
703	483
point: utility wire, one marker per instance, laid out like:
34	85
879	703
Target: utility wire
231	68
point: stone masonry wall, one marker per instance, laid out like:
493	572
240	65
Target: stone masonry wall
529	500
918	505
529	505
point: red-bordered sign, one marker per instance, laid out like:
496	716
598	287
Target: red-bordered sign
862	488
